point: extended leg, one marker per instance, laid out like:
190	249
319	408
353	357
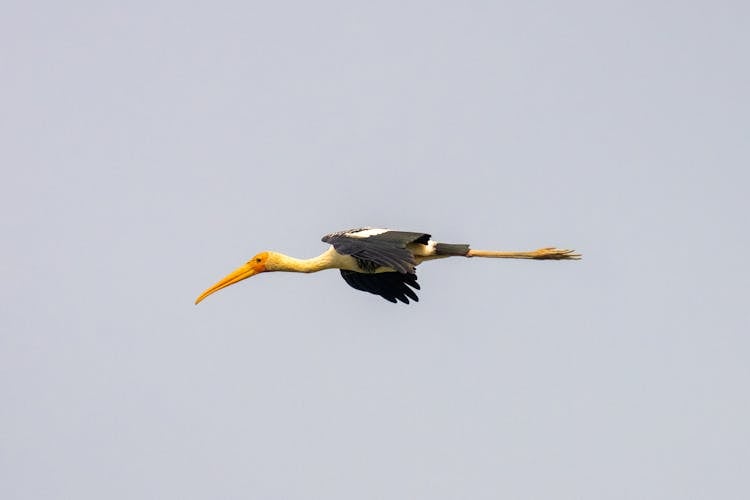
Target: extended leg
549	253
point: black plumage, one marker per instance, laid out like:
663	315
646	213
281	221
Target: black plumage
457	249
391	286
386	249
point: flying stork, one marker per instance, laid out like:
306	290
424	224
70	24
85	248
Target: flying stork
379	261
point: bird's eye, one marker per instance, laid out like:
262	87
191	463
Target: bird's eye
257	260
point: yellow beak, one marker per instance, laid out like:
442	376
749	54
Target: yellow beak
239	274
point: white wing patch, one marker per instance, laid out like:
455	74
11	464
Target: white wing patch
424	250
366	232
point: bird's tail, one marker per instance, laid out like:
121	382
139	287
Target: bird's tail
457	249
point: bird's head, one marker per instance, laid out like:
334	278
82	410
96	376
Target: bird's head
259	264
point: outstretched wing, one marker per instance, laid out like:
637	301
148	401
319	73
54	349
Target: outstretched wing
375	248
391	286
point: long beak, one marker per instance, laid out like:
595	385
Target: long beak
239	274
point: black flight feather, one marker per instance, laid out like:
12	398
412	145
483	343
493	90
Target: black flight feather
391	286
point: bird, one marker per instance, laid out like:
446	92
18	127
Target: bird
379	261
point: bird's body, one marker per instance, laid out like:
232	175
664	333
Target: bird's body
379	261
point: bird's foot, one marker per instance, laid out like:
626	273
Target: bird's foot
552	253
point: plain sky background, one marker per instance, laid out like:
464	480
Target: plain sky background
148	148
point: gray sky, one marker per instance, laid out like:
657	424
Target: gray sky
148	148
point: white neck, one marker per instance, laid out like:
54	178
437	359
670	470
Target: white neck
281	262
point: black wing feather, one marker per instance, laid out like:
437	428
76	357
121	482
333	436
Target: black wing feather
387	249
391	286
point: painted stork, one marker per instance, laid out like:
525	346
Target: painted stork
379	261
